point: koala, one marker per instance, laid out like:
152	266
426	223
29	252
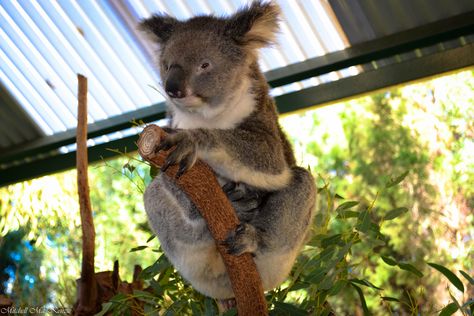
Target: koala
221	112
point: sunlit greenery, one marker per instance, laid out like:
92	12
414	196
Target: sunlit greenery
369	255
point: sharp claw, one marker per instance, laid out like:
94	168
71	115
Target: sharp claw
160	147
179	173
182	169
224	243
165	166
239	229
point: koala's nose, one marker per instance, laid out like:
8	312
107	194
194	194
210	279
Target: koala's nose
174	92
175	83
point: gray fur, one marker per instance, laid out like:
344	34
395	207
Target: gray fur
220	105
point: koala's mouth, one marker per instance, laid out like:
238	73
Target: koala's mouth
189	103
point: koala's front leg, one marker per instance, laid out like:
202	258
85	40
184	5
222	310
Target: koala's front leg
255	158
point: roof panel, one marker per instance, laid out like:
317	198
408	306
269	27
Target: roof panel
44	44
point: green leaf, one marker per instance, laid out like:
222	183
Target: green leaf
395	213
230	312
195	309
288	309
316	276
105	309
449	309
365	283
389	299
157	267
389	261
467	276
337	196
154	171
447	273
346	205
209	309
347	214
362	299
410	268
151	238
363	221
397	180
138	248
129	167
331	240
299	285
338	286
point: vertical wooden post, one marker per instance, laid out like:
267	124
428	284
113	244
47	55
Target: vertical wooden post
87	289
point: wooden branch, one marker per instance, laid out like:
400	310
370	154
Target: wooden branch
200	184
87	290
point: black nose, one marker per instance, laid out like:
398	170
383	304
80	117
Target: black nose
175	83
175	93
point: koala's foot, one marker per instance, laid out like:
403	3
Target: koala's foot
184	153
242	239
226	305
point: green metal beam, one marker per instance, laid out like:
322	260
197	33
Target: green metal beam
391	75
391	45
56	163
388	46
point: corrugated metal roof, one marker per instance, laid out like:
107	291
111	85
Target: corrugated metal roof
44	44
363	20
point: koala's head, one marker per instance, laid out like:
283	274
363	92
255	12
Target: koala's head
204	59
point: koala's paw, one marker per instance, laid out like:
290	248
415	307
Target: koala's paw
246	202
242	239
184	152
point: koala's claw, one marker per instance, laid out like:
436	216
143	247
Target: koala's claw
242	239
184	153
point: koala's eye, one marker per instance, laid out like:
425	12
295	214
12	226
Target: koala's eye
205	65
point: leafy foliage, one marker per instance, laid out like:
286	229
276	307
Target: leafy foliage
377	224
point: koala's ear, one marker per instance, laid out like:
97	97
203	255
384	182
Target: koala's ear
255	26
160	26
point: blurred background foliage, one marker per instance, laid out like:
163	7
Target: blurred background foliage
370	259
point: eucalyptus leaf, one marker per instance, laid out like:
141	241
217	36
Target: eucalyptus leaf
363	221
397	180
209	309
467	276
389	261
395	213
410	268
151	238
337	287
346	205
331	240
347	214
288	309
362	299
449	309
105	308
138	248
365	283
450	275
230	312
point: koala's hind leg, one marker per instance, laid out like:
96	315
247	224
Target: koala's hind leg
276	233
185	238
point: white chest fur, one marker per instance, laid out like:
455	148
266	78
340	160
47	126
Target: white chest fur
225	116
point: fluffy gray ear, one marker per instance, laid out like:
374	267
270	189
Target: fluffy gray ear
161	26
254	26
